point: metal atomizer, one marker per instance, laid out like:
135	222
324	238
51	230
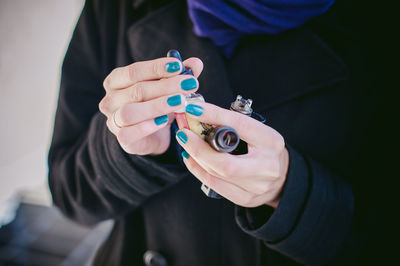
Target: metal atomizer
221	138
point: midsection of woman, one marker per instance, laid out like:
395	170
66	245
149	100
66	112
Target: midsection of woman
294	78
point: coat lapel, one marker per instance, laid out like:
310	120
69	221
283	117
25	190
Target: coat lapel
170	28
269	69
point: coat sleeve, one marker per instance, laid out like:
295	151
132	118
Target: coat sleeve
91	178
319	220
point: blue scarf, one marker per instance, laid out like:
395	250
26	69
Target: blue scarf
226	21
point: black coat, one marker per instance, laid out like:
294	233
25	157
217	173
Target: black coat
312	85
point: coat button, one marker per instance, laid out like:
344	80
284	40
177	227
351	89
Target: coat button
153	258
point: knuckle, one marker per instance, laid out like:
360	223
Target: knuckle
195	152
157	68
274	168
246	200
104	105
136	93
107	82
131	72
278	142
173	84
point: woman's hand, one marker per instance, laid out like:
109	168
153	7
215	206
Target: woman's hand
140	99
248	180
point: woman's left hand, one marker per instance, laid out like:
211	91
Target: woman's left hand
248	180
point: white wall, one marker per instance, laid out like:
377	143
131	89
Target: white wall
34	35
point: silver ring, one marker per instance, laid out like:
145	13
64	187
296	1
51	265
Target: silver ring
115	122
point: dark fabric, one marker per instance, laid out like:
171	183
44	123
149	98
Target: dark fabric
313	85
305	213
225	22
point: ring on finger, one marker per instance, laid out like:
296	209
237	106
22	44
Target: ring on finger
115	121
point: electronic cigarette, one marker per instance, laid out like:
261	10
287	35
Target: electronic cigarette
221	138
180	115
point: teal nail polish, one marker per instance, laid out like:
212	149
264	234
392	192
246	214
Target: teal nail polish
182	137
185	155
174	100
161	120
194	109
189	84
172	67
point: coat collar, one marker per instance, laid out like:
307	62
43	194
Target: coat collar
271	70
170	28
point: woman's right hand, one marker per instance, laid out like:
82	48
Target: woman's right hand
140	100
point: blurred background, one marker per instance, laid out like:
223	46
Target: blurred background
34	37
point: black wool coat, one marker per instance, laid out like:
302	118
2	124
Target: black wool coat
311	83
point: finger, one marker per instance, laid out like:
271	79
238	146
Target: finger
123	77
127	136
195	64
225	189
147	145
148	90
224	165
250	130
247	174
133	113
114	128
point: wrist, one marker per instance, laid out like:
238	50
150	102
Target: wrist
280	183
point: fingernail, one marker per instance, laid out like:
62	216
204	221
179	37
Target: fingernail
189	84
172	67
194	109
161	120
174	100
185	155
182	136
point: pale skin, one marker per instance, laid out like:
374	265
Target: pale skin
138	93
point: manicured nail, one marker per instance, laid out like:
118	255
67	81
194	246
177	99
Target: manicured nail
189	84
174	100
182	136
194	109
185	155
161	120
172	67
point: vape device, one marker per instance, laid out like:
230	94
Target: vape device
180	115
221	138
